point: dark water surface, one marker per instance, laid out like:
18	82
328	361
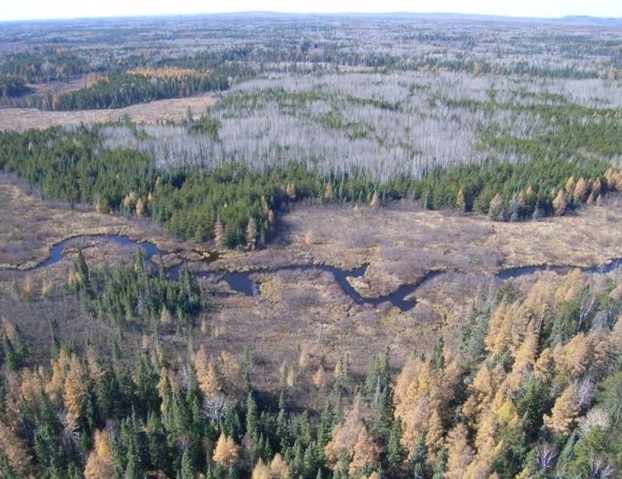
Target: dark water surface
242	282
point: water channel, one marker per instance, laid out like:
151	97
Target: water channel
241	282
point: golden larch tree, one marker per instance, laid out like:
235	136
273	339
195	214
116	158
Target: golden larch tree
499	329
543	369
459	453
279	468
207	374
74	392
260	471
564	412
100	463
481	392
495	208
366	453
345	434
226	452
434	436
580	191
16	453
573	358
569	186
560	203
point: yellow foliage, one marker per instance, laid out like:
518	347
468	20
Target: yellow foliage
415	422
100	464
54	387
15	451
570	185
260	471
319	378
31	387
481	391
499	332
580	190
226	452
572	359
459	453
524	360
74	393
207	374
375	200
564	412
479	468
168	72
140	207
460	200
434	435
543	369
345	434
279	468
560	203
366	452
570	286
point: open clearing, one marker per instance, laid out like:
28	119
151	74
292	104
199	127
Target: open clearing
21	119
303	319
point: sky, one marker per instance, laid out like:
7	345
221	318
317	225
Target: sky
48	9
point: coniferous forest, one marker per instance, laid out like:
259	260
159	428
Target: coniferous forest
503	141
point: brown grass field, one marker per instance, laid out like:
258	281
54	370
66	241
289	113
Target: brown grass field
303	319
21	119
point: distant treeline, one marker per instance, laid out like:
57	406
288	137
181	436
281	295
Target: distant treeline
12	86
125	89
237	206
45	66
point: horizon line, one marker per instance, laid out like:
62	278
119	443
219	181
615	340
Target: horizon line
490	16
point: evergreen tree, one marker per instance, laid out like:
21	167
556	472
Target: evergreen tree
187	470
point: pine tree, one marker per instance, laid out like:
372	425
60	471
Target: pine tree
12	359
394	451
252	418
437	358
440	463
417	460
186	470
83	274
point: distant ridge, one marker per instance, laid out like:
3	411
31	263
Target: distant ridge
395	16
581	19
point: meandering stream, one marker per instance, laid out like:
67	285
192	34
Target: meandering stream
241	282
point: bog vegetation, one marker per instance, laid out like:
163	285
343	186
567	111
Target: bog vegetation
532	389
516	122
